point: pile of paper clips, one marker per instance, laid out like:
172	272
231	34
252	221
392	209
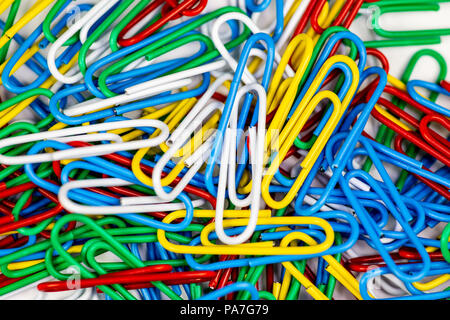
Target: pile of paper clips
163	150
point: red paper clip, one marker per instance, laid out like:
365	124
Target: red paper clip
171	10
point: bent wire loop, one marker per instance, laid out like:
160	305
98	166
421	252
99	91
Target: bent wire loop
352	229
307	101
435	268
79	133
241	219
229	104
337	163
84	196
411	86
401	215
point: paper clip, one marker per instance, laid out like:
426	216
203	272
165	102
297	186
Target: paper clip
116	246
28	49
363	215
403	38
76	133
85	196
192	158
225	119
228	163
345	17
187	8
298	119
150	45
431	141
337	163
385	135
436	268
128	204
193	161
411	85
246	77
37	8
432	5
